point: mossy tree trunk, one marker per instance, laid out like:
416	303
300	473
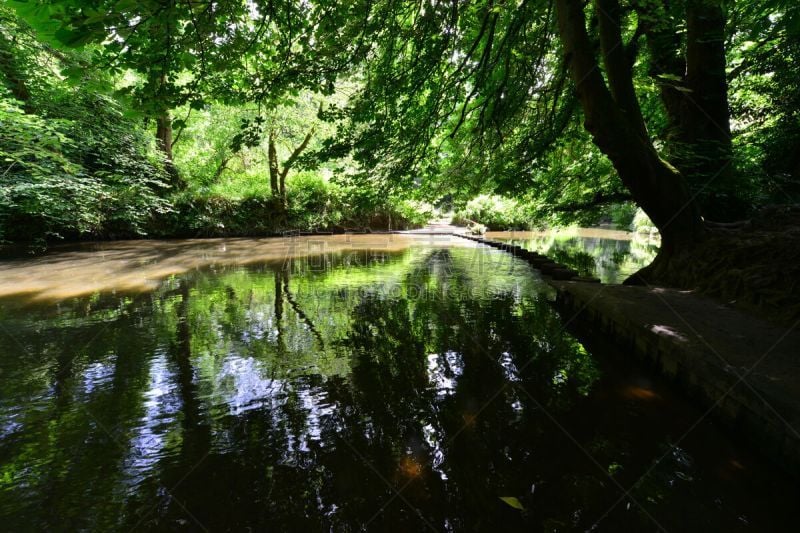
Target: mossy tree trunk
277	175
613	117
164	140
690	71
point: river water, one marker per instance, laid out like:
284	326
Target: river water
378	383
609	255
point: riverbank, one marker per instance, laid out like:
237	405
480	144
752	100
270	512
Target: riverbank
741	368
744	370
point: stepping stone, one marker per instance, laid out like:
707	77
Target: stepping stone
586	279
563	273
547	268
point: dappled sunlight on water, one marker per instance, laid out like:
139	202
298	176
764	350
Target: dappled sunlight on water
640	393
409	387
137	266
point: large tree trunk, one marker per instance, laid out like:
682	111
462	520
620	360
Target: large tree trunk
694	92
290	162
282	185
667	63
164	134
706	123
613	118
277	177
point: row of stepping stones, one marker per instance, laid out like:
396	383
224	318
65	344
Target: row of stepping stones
545	265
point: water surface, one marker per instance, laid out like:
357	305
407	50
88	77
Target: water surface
391	384
610	255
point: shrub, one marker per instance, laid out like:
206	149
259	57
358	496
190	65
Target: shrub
495	212
642	224
218	216
87	172
622	215
413	213
314	202
458	219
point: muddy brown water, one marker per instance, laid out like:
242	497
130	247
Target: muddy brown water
378	383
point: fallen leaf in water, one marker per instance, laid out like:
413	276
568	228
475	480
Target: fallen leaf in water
513	502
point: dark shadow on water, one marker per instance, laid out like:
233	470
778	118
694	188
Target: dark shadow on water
408	392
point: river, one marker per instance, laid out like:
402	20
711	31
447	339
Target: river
341	383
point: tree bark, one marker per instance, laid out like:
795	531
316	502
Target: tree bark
617	64
694	92
707	116
290	162
164	133
164	141
614	126
277	177
272	154
667	64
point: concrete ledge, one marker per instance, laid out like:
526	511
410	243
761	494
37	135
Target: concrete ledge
746	371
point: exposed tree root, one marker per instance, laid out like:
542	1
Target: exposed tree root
753	264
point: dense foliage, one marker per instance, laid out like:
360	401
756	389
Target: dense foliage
73	163
218	118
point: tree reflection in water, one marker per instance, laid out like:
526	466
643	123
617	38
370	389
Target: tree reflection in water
609	255
391	391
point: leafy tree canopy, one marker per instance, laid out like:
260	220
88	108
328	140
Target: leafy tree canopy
565	106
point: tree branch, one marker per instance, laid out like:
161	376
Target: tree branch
297	151
618	66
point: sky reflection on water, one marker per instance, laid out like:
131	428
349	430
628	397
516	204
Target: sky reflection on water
294	397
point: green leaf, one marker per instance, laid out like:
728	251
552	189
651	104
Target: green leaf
73	38
513	502
73	72
125	5
670	77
